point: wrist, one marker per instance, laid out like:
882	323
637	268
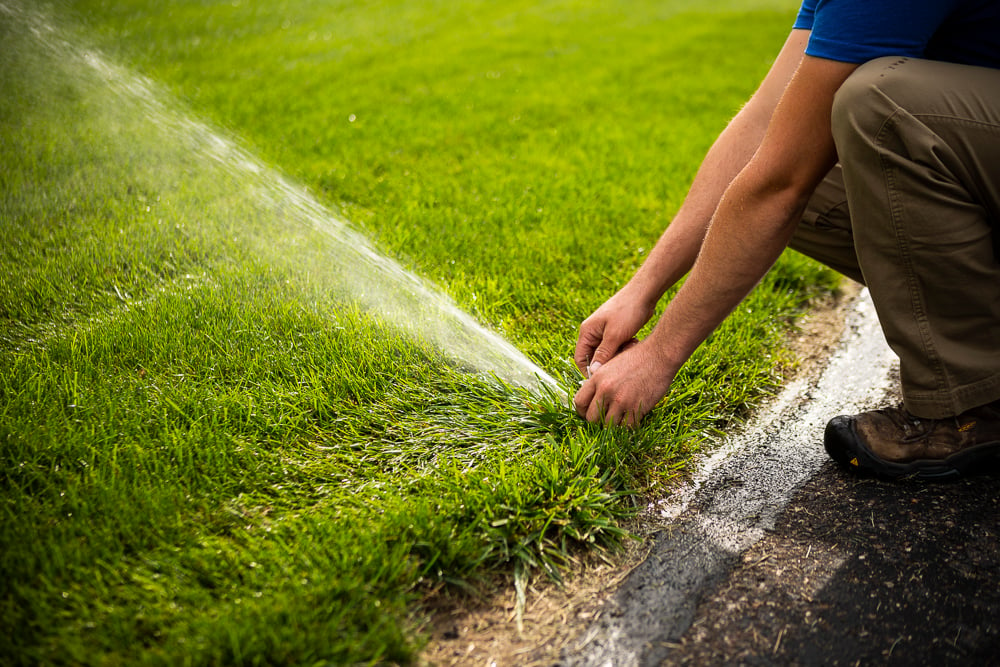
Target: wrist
642	292
671	345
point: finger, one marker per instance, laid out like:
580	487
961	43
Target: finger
612	415
595	364
604	412
604	352
590	337
613	343
635	417
583	399
595	412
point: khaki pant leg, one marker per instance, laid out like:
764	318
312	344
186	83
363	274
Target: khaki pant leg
825	230
919	144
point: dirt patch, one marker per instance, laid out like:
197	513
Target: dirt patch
820	330
466	632
486	632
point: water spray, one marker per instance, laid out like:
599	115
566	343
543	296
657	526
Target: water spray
364	276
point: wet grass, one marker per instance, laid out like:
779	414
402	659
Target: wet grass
211	452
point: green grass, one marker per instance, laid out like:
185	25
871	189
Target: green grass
213	450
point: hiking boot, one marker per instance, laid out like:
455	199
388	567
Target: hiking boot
893	443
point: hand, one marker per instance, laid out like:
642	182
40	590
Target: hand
610	330
623	390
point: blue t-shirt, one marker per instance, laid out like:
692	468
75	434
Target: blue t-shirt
856	31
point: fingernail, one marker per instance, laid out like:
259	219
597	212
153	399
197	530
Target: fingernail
593	368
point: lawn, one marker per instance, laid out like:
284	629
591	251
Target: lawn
255	259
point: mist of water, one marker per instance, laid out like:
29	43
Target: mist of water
224	185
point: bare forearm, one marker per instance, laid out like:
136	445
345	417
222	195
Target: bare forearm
675	252
748	233
758	213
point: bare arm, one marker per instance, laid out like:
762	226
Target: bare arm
751	226
618	320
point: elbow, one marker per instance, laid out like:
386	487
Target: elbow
778	196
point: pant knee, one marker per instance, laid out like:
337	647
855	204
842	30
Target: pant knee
865	100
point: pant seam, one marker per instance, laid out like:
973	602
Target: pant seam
896	215
958	119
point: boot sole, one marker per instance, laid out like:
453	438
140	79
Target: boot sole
843	445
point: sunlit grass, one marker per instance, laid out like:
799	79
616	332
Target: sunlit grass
212	451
